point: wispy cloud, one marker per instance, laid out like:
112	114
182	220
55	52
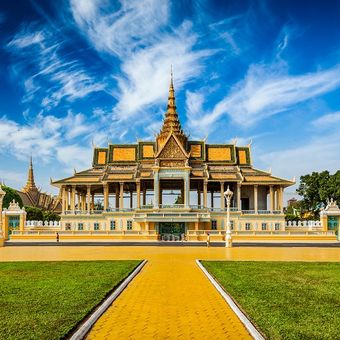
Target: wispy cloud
269	90
46	72
49	138
328	120
316	154
120	28
139	35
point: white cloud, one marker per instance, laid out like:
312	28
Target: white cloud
46	72
12	176
318	154
120	29
268	90
50	139
146	73
328	120
137	32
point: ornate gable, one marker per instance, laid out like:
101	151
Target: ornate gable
172	149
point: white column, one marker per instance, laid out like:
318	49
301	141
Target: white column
281	198
238	202
222	196
205	193
63	201
106	196
255	198
88	199
121	195
271	198
155	189
73	198
187	189
138	194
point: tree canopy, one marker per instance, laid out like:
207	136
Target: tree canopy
11	195
317	188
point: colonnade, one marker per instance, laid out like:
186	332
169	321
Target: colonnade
82	198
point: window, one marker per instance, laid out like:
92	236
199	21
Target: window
80	226
112	225
231	225
129	225
213	225
247	226
96	226
277	226
264	226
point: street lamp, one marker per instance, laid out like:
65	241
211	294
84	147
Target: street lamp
2	195
228	194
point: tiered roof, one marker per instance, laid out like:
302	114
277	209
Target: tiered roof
172	149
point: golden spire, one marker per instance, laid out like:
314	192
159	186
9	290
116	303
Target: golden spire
30	184
171	121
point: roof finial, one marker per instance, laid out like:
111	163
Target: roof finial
30	184
171	75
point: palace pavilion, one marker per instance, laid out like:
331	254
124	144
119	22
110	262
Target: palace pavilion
172	185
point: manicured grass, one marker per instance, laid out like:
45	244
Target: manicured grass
45	300
286	300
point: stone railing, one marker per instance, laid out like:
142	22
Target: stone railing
311	225
55	224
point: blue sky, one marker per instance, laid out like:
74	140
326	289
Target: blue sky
80	73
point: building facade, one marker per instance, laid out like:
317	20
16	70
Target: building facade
172	185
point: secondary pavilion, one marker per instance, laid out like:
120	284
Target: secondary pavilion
172	184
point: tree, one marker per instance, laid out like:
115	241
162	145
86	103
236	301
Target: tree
34	214
11	195
317	188
50	216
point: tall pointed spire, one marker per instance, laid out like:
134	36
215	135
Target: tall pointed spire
30	184
171	121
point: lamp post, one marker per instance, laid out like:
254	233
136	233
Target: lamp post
2	195
228	194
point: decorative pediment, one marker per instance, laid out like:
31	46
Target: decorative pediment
172	149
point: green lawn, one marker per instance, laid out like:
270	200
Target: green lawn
286	300
45	300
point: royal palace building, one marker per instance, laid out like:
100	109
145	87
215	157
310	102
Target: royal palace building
172	185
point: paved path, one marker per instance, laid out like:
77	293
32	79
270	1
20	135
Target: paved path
170	298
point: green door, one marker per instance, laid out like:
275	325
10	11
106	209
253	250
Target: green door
171	231
333	222
13	223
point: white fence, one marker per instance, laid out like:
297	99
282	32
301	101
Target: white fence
55	224
303	225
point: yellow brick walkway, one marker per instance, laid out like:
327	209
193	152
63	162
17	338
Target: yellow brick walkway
169	299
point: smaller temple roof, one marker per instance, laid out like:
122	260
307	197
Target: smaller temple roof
252	175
